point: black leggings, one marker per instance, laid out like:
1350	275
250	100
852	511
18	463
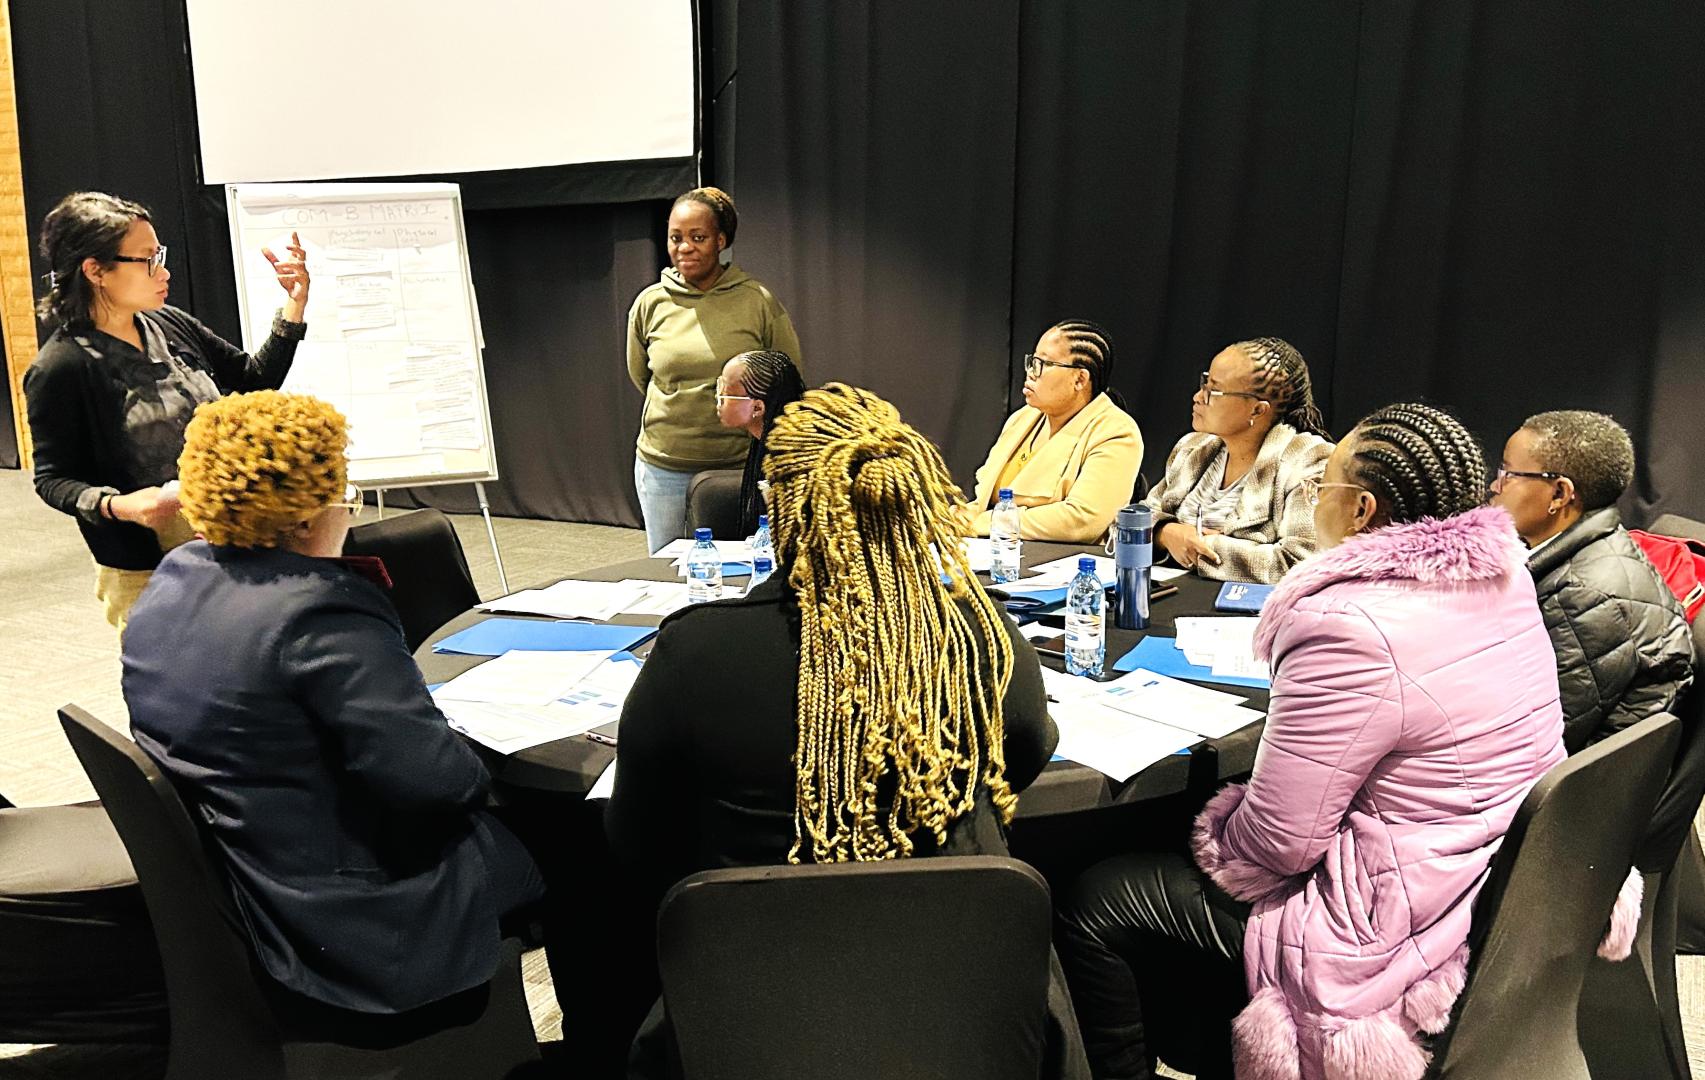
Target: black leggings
1153	952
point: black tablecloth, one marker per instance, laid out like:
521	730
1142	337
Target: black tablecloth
570	766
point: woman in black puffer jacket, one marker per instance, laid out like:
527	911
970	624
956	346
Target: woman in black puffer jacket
1624	651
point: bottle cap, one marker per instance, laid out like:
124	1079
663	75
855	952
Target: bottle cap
763	521
1086	564
701	535
762	563
1136	516
1005	493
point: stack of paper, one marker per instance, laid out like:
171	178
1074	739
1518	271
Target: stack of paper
572	599
521	699
659	598
1212	714
730	550
1223	644
1112	742
1065	569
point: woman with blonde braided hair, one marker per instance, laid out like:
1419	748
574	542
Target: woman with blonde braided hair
869	701
1230	504
270	681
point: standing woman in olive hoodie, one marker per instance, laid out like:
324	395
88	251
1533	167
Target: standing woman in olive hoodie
703	312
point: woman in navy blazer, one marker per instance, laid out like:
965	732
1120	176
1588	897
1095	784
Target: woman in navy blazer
271	681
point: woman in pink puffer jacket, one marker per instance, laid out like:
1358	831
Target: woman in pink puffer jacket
1414	704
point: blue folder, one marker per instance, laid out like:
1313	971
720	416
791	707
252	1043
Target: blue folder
494	637
1162	656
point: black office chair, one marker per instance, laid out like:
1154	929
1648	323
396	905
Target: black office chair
914	967
430	581
1539	920
1677	525
1140	489
229	1020
713	502
67	890
1632	997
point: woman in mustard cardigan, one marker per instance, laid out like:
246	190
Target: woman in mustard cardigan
1072	453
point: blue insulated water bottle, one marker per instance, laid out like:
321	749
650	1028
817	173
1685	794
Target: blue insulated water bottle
1133	556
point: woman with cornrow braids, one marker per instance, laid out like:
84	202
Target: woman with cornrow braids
857	706
1072	453
1230	505
1337	885
681	331
751	392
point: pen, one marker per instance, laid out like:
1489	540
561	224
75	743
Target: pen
600	738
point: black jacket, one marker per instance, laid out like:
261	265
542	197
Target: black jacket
275	690
709	730
1624	651
78	402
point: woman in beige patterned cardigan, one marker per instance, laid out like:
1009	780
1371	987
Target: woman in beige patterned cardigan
1231	505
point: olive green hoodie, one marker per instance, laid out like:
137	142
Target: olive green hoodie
678	340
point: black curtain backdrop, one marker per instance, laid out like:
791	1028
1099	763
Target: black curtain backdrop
1491	206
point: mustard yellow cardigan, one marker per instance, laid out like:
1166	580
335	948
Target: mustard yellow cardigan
1077	481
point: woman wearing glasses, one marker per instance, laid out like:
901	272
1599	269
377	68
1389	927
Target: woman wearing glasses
113	387
681	331
270	681
1624	651
1230	506
751	392
1072	453
1328	905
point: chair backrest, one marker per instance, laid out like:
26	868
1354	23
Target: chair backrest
221	1025
1677	525
915	967
1685	789
430	580
1140	489
713	502
1545	906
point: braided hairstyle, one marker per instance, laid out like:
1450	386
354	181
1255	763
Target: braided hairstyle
1092	346
901	674
1419	462
85	224
1281	376
771	378
721	207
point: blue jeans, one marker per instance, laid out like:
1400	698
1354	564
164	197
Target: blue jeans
662	502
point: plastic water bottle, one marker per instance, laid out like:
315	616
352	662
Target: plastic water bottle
762	567
762	546
704	569
1133	558
1005	544
1086	640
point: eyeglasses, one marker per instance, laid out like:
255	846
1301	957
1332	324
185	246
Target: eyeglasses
154	262
1311	489
352	500
1503	474
1034	364
1202	388
722	397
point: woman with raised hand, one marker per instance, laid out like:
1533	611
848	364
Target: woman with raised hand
737	735
1414	704
1230	504
113	388
750	394
1071	455
681	331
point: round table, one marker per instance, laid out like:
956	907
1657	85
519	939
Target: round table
570	766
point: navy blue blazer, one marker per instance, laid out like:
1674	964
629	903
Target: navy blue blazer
277	692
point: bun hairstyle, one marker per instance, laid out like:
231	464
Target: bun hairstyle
901	674
85	225
254	465
1419	462
721	206
1280	375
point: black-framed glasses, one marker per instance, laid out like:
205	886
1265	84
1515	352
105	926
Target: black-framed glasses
1034	364
1503	474
154	262
1203	388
